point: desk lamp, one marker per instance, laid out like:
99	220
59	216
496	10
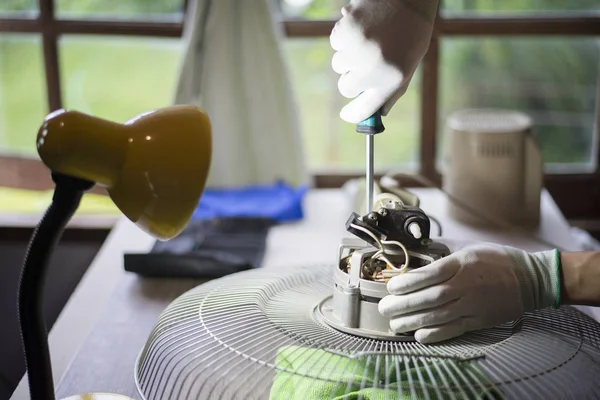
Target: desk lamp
154	168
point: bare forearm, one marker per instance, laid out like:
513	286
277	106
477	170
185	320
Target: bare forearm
580	278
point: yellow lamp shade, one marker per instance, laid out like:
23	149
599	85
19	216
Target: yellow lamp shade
154	166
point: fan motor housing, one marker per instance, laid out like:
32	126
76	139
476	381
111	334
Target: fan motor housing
353	307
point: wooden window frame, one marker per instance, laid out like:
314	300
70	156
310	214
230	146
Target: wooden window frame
578	195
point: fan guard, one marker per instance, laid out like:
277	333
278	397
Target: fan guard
257	335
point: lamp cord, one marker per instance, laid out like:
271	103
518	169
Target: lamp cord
66	199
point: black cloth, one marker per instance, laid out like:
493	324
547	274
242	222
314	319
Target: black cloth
206	249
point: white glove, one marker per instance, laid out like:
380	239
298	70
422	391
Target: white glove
379	44
478	286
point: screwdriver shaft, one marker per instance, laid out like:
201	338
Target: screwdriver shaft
369	173
370	127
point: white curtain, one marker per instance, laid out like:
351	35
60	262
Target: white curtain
234	68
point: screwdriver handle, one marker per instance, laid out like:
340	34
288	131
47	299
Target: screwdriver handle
371	125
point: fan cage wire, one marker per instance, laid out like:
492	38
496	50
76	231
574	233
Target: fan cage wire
221	340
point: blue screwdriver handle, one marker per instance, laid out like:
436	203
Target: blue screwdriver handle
371	125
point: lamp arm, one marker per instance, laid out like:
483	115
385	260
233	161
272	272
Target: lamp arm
66	199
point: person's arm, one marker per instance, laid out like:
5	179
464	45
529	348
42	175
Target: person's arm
580	278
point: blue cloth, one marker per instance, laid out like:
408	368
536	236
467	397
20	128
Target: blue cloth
279	202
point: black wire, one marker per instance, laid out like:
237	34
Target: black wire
437	223
65	201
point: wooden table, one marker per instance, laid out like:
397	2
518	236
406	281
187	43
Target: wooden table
30	220
107	320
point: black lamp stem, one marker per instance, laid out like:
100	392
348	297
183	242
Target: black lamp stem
66	199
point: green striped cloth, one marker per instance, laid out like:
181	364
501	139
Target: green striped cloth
313	374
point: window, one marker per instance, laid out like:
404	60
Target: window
540	56
518	7
157	10
331	143
22	90
552	79
84	55
102	75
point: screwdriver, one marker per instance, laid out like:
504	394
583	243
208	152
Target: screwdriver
370	127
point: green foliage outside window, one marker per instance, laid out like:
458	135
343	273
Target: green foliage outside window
554	79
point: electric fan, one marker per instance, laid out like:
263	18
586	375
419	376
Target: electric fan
312	332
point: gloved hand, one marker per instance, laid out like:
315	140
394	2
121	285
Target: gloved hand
379	44
479	285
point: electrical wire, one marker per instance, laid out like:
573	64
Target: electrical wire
437	223
385	275
484	216
380	254
395	242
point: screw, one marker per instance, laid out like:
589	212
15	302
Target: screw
383	212
372	216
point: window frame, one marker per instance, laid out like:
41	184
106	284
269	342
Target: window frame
577	194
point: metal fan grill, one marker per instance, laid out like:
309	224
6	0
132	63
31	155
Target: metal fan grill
257	335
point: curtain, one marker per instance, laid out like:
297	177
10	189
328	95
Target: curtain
234	68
